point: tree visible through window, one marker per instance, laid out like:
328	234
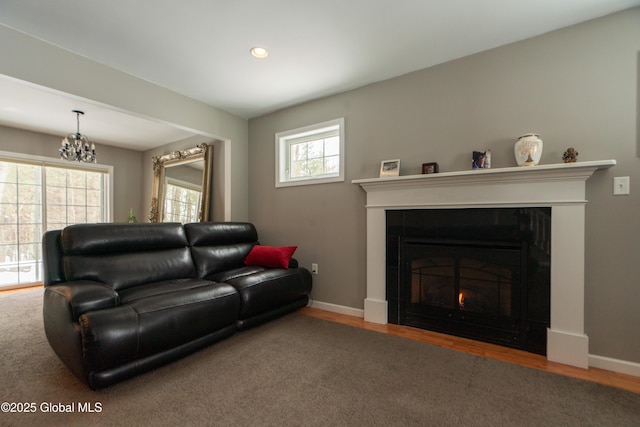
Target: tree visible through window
310	155
35	198
182	202
316	158
73	197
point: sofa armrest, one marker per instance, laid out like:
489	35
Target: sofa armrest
293	263
62	306
79	297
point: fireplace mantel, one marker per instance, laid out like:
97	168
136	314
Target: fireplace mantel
559	186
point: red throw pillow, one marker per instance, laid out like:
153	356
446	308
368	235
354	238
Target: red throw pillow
270	256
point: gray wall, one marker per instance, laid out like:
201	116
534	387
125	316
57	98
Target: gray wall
127	174
576	87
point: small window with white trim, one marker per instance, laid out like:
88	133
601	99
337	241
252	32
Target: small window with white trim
310	155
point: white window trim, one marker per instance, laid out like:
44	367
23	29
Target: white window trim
185	184
281	139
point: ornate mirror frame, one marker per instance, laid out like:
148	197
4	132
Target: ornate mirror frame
202	151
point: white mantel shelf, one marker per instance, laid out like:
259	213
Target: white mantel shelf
517	173
559	186
467	184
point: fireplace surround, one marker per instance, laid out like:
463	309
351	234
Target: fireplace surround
561	187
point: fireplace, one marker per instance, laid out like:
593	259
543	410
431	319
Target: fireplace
560	187
476	273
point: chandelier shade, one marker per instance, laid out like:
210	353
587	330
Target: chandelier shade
76	147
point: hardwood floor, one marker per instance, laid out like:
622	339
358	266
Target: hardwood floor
614	379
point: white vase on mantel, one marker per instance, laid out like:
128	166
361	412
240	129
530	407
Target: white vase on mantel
528	149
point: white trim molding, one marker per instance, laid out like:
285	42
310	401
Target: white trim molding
615	365
334	308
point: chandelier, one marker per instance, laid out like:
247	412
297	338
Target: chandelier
76	147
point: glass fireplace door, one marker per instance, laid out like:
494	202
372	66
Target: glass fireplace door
461	286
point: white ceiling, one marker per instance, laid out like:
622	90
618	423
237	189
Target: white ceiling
200	48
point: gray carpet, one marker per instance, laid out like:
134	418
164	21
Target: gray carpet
300	371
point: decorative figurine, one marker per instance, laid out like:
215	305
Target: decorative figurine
570	156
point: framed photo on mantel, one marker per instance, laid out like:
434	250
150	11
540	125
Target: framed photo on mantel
429	168
390	168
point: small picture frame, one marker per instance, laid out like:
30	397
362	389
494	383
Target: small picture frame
390	168
429	168
481	160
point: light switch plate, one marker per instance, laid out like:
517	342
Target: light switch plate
620	185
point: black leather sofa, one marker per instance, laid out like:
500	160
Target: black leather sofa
122	299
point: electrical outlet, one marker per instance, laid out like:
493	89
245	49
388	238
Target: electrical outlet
620	185
314	268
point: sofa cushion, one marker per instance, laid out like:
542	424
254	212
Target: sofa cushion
121	271
268	289
220	246
270	256
125	255
209	260
220	233
225	276
146	326
161	288
108	238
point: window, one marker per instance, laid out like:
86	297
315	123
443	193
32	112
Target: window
41	195
181	201
310	155
73	197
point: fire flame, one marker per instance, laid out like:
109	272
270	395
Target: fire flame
461	300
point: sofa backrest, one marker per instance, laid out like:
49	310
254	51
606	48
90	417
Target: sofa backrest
220	246
125	255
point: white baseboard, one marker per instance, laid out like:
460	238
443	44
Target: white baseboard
615	365
568	348
334	308
376	311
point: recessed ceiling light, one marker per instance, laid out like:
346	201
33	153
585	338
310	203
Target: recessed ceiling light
259	52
